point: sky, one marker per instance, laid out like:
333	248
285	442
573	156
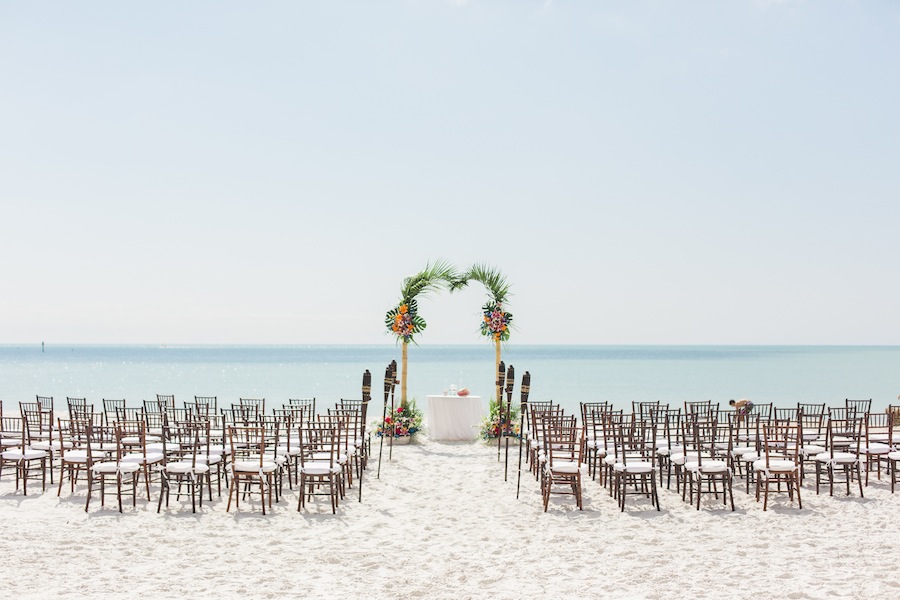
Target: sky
643	172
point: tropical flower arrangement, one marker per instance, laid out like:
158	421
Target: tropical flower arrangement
404	321
406	421
496	321
495	424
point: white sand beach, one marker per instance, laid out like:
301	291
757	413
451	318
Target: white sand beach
441	523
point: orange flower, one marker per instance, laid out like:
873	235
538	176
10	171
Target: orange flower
403	309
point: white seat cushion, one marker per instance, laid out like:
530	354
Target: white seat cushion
741	450
112	467
76	456
712	466
566	467
253	466
775	465
319	468
212	459
839	457
877	449
150	459
26	454
184	467
635	468
811	450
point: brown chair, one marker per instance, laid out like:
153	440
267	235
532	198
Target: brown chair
704	465
636	458
249	465
186	469
18	455
535	446
103	466
843	440
73	456
813	422
138	450
780	462
877	443
318	465
593	416
563	442
38	417
893	456
212	451
673	443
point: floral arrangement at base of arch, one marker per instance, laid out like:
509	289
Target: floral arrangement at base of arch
494	424
495	323
405	420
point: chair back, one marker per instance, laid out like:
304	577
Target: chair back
862	407
247	444
844	430
309	405
204	405
110	409
257	404
562	439
781	442
318	444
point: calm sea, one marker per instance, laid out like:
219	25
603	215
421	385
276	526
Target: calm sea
567	374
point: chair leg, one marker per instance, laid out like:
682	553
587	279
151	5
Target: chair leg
230	493
90	487
162	490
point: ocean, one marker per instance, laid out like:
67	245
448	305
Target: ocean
784	375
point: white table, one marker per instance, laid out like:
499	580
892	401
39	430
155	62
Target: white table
454	417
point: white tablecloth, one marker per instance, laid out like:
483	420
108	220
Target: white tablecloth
454	417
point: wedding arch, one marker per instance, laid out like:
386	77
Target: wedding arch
404	321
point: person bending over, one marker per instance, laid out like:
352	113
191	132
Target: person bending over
742	407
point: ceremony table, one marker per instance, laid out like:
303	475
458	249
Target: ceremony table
454	418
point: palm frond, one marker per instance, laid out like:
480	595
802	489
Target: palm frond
432	278
491	278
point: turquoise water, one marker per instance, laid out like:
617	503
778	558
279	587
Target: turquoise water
567	374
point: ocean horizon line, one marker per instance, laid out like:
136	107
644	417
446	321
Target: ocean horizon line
420	346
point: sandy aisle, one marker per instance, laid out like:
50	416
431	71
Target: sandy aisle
441	523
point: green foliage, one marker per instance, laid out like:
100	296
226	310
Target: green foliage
403	320
491	278
496	424
406	420
495	320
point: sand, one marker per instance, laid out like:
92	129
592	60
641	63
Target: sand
442	523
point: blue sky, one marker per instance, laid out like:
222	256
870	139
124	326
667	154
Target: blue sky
643	172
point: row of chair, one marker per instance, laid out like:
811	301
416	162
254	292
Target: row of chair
190	445
704	448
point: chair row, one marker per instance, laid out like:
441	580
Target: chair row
705	448
314	451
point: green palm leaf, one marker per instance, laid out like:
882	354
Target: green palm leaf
491	278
